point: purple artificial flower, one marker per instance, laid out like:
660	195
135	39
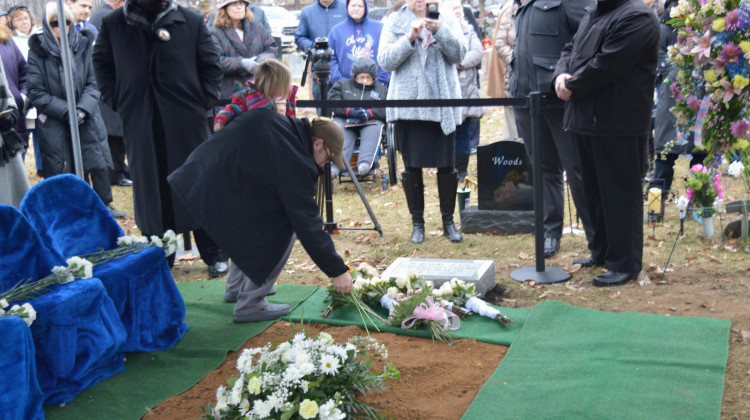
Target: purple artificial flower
676	91
739	129
730	53
732	20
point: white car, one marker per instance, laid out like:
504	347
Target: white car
283	25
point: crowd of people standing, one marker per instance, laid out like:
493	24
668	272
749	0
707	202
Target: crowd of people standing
132	101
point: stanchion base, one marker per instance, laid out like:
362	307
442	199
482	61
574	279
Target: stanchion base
549	275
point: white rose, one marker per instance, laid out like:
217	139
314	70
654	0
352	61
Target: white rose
430	284
392	292
412	273
402	282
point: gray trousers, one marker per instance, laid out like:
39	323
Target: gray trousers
559	152
369	139
250	296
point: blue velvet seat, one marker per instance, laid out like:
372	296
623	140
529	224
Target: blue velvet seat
77	333
72	220
20	394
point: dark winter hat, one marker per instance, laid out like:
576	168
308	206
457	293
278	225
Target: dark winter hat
333	138
364	65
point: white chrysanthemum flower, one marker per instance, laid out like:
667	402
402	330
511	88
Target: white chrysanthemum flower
302	358
329	364
253	385
308	409
261	409
244	407
326	336
157	241
30	313
169	235
307	368
124	240
304	386
736	169
4	302
141	240
292	373
328	411
402	282
275	402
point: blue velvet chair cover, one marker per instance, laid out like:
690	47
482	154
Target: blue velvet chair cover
20	394
77	332
72	220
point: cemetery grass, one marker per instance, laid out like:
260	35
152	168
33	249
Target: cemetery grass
705	278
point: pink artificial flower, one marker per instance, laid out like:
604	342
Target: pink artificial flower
676	91
698	167
732	20
693	103
729	90
702	48
689	194
739	129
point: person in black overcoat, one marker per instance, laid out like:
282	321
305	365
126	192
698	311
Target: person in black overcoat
157	67
543	27
252	188
606	75
46	90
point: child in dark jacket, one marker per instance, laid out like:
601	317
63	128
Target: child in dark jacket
354	122
272	83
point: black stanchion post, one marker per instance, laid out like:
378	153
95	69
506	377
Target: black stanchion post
540	273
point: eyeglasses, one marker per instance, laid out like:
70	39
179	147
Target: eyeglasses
54	23
364	78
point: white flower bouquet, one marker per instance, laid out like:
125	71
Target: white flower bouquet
25	311
304	378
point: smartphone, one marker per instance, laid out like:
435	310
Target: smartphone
432	12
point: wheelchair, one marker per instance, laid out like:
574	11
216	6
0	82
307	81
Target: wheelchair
387	148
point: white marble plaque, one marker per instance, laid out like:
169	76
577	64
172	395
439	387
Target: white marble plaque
479	272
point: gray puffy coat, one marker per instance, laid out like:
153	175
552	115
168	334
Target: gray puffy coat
420	73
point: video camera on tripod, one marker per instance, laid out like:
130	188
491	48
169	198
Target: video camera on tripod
320	56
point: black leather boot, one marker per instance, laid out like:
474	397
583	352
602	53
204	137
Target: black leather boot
414	191
462	166
447	185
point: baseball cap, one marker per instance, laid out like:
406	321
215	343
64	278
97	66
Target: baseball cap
333	138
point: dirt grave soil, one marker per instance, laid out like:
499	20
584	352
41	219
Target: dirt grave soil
453	372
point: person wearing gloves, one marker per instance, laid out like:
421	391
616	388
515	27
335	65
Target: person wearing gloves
242	44
422	53
354	121
357	36
47	93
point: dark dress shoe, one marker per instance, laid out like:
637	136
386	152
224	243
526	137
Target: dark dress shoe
613	278
551	246
218	269
124	182
588	262
115	213
417	233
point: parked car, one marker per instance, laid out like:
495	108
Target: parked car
283	25
377	13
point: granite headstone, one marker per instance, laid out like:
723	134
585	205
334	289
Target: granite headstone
479	272
504	177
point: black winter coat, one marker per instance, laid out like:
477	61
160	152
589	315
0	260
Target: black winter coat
543	27
350	89
44	83
144	78
110	117
612	59
251	193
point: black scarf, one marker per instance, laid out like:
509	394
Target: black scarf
135	15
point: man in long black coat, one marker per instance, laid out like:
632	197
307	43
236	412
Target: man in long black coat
252	188
606	75
157	67
543	27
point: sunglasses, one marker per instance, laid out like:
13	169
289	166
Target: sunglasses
54	23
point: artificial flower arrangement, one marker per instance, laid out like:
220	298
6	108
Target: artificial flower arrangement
413	302
304	378
713	85
78	267
703	190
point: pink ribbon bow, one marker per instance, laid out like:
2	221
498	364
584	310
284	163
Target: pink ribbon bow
429	310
